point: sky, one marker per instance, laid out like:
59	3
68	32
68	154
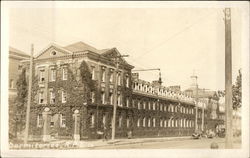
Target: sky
179	41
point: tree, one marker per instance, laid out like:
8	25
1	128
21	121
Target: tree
236	90
17	110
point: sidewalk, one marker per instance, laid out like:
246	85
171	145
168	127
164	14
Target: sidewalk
125	141
85	144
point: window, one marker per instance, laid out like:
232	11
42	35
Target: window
169	123
144	105
119	103
111	98
92	97
149	105
92	120
153	122
52	121
128	122
111	77
64	97
144	122
153	105
39	120
41	97
127	81
104	120
11	83
172	123
42	75
103	75
127	102
176	108
62	120
161	122
181	123
52	97
93	73
165	108
64	73
53	53
133	103
161	107
165	123
119	79
176	123
138	122
149	122
120	121
52	74
139	104
103	98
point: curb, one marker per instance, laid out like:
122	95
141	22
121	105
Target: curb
136	142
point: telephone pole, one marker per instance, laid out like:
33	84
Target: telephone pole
228	79
26	133
115	94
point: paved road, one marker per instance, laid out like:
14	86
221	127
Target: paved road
203	143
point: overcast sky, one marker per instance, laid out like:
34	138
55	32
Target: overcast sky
178	41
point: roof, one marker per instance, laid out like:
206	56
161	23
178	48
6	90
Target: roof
17	52
81	46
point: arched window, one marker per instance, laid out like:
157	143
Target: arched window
181	123
176	123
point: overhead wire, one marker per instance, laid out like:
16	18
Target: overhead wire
175	35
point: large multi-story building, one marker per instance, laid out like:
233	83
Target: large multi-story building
15	67
74	90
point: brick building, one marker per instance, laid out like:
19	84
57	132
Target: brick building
63	106
15	66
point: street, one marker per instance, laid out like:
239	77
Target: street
175	144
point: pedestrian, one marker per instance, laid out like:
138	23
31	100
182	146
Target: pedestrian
105	133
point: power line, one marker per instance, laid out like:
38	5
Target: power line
175	35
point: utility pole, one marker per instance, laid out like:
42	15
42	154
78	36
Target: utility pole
26	133
228	79
115	94
194	77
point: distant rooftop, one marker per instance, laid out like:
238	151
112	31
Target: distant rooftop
17	52
81	46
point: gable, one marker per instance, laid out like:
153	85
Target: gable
52	51
112	53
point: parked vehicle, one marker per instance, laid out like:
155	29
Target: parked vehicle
222	133
210	134
196	135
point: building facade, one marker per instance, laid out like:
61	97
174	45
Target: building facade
74	92
15	68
